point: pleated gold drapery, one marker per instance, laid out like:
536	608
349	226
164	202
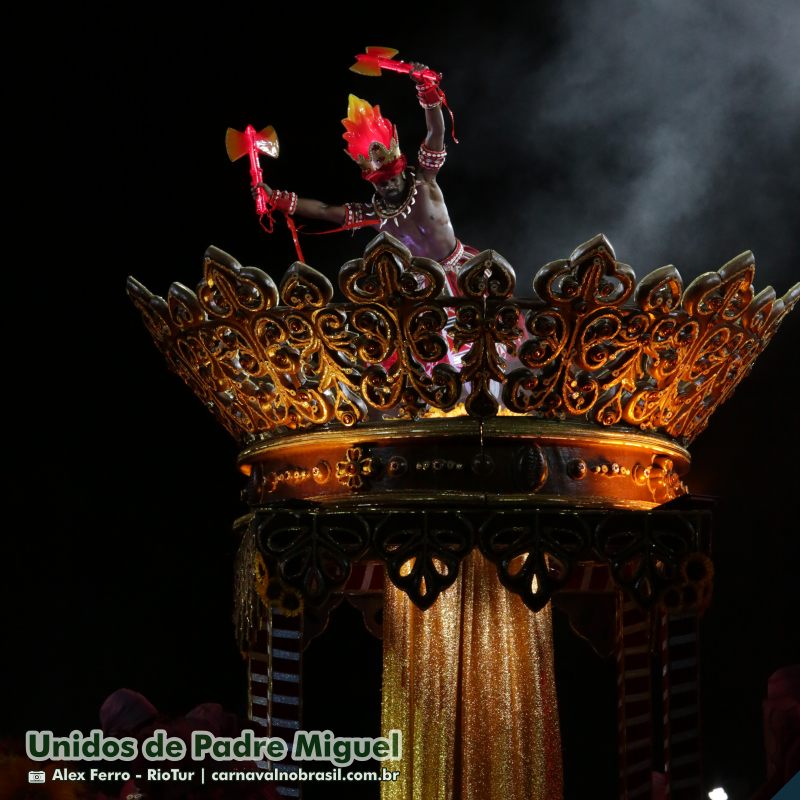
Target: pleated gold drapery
470	684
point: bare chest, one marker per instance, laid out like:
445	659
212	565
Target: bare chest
425	227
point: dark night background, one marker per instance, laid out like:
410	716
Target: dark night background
670	127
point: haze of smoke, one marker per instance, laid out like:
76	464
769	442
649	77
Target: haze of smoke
672	127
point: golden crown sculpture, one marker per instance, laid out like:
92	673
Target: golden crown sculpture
360	440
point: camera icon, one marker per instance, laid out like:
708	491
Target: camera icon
36	776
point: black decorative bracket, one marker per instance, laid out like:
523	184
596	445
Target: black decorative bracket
534	550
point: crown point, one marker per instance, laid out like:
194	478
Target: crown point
595	243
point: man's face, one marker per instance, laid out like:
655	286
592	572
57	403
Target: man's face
393	189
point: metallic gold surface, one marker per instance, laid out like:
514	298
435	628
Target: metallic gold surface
355	467
249	612
590	345
470	684
507	427
505	460
384	500
583	394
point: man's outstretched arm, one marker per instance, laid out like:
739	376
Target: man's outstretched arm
303	206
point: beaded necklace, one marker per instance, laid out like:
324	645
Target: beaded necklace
386	212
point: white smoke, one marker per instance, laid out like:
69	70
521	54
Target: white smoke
673	127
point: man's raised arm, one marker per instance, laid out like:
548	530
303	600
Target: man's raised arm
432	151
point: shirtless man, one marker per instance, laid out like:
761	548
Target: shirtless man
407	201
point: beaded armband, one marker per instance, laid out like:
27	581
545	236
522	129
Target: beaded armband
354	213
431	160
284	201
429	95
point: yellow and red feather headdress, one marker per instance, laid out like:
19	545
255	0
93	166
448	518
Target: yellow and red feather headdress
372	141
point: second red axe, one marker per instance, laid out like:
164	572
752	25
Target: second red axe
251	143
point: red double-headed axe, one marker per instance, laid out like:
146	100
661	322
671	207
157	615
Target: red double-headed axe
377	58
251	143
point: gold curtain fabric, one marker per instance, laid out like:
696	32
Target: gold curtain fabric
470	684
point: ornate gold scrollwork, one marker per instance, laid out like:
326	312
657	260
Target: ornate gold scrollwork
660	478
487	320
357	466
591	345
399	316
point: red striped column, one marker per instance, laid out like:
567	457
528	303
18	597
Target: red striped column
366	577
275	671
663	655
258	683
589	578
681	696
634	700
